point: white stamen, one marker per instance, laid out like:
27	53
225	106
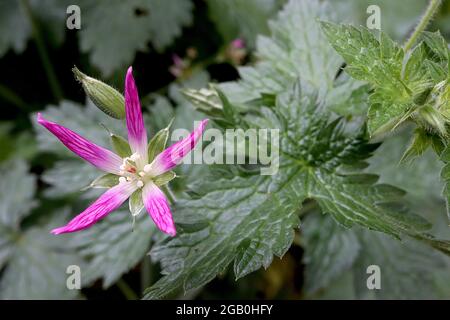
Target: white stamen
128	178
142	173
147	168
140	184
122	180
134	156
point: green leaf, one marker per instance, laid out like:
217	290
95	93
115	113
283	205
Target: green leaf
6	244
13	18
419	178
436	71
348	97
141	21
35	261
16	197
233	21
396	19
404	266
401	83
437	44
377	61
17	188
330	250
68	177
245	219
38	264
260	226
108	180
163	112
21	145
135	203
445	176
113	246
284	58
50	15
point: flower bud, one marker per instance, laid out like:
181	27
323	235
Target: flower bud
105	97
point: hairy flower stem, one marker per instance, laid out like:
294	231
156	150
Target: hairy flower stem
43	54
433	6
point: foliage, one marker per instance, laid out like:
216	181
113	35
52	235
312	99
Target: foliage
360	163
35	261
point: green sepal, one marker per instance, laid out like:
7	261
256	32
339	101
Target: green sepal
135	203
158	142
120	145
108	180
164	178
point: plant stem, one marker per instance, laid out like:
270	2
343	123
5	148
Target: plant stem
146	273
428	15
42	51
169	194
126	290
10	96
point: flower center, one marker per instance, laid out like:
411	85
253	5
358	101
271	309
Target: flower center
129	171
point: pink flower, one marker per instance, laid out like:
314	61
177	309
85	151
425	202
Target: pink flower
134	172
236	51
178	66
238	43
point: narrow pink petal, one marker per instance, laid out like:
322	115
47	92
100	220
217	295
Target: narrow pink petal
137	136
174	154
109	201
156	204
98	156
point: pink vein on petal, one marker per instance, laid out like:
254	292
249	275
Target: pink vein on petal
174	154
156	204
107	202
98	156
137	136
